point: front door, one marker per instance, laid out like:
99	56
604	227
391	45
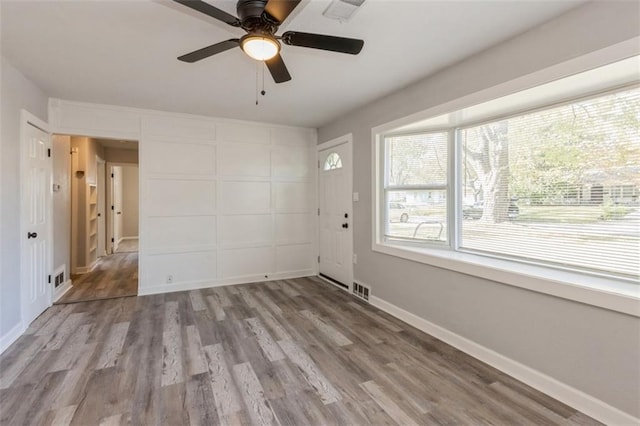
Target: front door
35	208
336	221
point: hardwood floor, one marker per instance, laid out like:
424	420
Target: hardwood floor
293	352
128	246
114	276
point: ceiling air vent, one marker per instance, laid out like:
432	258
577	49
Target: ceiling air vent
342	10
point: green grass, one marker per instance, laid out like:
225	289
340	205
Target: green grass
570	214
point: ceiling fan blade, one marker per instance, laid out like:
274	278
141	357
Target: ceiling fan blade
278	69
205	52
280	9
210	10
324	42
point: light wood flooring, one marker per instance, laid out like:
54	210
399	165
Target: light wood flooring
114	276
292	352
128	246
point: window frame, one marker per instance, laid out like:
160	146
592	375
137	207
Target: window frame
591	287
386	188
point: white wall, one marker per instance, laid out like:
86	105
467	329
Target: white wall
61	146
130	201
589	350
18	93
221	201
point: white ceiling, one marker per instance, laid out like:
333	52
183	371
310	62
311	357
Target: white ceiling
123	52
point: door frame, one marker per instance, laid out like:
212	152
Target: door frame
346	140
28	119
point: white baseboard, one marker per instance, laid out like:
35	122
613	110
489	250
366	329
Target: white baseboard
127	238
61	290
11	336
85	269
195	285
571	396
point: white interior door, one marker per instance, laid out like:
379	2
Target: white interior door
117	206
36	222
102	231
336	222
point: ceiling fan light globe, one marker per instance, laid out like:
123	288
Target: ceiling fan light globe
260	48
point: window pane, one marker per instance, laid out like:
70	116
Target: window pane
416	160
333	162
417	215
560	185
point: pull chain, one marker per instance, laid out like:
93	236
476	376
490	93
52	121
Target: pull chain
259	66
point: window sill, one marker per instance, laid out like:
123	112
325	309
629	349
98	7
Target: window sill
611	294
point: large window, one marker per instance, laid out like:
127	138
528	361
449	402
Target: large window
558	185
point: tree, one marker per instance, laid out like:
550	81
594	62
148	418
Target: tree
486	155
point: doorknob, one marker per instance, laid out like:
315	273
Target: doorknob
345	225
32	235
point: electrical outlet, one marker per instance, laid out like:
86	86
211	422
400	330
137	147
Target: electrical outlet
355	258
169	279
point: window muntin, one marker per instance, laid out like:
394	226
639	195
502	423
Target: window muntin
416	186
559	185
537	166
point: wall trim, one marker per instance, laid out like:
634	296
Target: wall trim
61	290
85	269
569	395
11	336
128	238
195	285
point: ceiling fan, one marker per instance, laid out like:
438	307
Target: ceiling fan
261	19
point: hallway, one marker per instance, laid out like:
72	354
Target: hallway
113	276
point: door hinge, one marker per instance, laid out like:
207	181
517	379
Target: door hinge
318	259
111	174
318	211
318	163
49	279
49	152
112	240
111	207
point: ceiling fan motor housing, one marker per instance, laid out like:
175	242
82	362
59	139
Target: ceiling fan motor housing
253	18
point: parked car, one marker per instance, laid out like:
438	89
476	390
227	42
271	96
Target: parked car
398	212
475	211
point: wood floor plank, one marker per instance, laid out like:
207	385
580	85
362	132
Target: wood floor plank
224	390
63	416
330	331
291	352
196	362
387	404
197	302
113	346
252	393
314	376
172	363
270	348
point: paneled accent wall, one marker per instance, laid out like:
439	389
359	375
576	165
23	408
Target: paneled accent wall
221	201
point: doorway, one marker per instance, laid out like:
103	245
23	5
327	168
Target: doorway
98	269
336	211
